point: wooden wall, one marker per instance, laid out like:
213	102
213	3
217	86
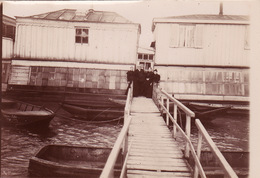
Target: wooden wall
55	40
110	79
7	48
221	45
209	83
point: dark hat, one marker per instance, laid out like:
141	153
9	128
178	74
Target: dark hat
155	70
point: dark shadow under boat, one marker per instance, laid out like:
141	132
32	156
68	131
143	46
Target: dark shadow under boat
71	161
18	113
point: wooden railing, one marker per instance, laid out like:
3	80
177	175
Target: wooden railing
159	97
202	133
121	142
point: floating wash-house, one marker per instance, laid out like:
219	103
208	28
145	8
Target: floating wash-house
85	50
203	57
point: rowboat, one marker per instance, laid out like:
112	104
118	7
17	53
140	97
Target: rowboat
202	110
19	113
92	114
71	161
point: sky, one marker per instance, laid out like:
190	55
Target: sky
141	12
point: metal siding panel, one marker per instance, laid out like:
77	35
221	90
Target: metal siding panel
71	43
39	42
33	47
60	43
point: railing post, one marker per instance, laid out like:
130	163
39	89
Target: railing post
168	109
187	130
196	171
175	107
162	101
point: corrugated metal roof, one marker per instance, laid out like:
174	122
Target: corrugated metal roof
87	16
209	17
204	19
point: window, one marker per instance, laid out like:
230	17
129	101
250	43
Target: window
145	56
186	36
82	35
8	31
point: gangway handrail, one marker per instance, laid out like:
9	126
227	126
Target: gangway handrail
179	104
122	139
214	149
201	133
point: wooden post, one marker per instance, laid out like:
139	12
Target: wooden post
175	107
196	171
187	130
168	109
162	101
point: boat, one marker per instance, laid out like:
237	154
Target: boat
119	102
71	161
203	110
19	113
93	114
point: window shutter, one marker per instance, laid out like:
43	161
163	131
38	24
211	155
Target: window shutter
199	36
247	42
174	36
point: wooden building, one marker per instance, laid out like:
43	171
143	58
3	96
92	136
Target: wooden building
145	57
8	38
74	49
203	57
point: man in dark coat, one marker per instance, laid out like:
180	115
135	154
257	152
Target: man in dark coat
156	77
135	82
141	82
149	83
130	78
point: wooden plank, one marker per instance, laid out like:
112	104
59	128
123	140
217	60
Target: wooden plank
159	167
157	159
154	151
158	162
162	155
158	174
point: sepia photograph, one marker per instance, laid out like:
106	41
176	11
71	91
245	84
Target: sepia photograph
129	89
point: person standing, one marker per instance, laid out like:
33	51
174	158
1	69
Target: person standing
149	83
141	82
135	82
156	77
130	78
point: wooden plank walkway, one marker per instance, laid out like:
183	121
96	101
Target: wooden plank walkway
153	151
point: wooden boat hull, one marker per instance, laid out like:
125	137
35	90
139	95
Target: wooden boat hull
71	161
23	114
92	114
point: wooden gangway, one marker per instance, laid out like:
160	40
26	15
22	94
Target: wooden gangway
150	148
153	152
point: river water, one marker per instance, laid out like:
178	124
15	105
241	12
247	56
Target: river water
18	145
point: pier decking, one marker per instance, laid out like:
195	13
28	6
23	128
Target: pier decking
153	152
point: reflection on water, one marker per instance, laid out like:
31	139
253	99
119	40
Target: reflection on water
19	144
231	133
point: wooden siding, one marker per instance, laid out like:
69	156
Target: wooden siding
19	75
222	45
69	77
7	48
108	43
205	81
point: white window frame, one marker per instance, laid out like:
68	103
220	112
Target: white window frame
82	36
